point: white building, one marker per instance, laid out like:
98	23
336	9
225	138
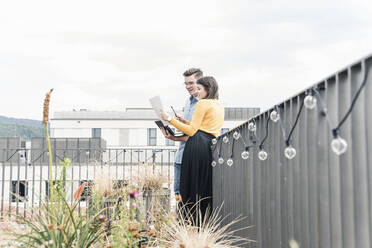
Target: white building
133	127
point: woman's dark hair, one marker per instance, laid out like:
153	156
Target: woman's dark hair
210	85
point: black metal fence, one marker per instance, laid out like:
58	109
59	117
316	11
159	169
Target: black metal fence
25	173
317	198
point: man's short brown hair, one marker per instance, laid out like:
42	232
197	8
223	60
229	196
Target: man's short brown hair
193	71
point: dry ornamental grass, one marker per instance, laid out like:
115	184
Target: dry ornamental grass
183	231
150	179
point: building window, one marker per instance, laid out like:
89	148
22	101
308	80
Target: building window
169	142
224	130
96	132
151	137
19	190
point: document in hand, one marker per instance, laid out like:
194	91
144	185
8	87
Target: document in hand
158	107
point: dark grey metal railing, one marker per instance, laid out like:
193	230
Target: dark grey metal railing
318	198
24	173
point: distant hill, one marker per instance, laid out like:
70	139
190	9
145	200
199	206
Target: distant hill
24	128
27	122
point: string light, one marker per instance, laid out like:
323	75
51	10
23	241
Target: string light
310	100
214	141
338	144
262	155
252	126
245	154
220	160
214	163
274	115
290	152
230	161
266	133
236	135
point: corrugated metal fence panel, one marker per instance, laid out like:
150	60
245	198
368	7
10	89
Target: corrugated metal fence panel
73	148
232	113
318	198
8	149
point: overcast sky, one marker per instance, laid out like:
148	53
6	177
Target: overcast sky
109	55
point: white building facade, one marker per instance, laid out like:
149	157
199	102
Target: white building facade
133	127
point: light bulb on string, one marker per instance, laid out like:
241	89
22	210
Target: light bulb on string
214	141
230	162
236	135
338	144
262	154
87	153
225	139
274	116
220	160
214	163
310	100
252	126
245	154
290	152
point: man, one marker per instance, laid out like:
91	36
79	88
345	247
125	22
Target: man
191	76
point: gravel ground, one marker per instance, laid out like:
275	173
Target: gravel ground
7	226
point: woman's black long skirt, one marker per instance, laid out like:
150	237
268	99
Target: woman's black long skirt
196	172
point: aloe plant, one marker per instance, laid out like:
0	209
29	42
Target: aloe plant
61	225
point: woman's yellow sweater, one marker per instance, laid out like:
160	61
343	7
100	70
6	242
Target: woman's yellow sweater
208	116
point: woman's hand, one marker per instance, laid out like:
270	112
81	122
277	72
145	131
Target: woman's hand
166	134
181	119
164	116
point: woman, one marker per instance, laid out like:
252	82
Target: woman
206	123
